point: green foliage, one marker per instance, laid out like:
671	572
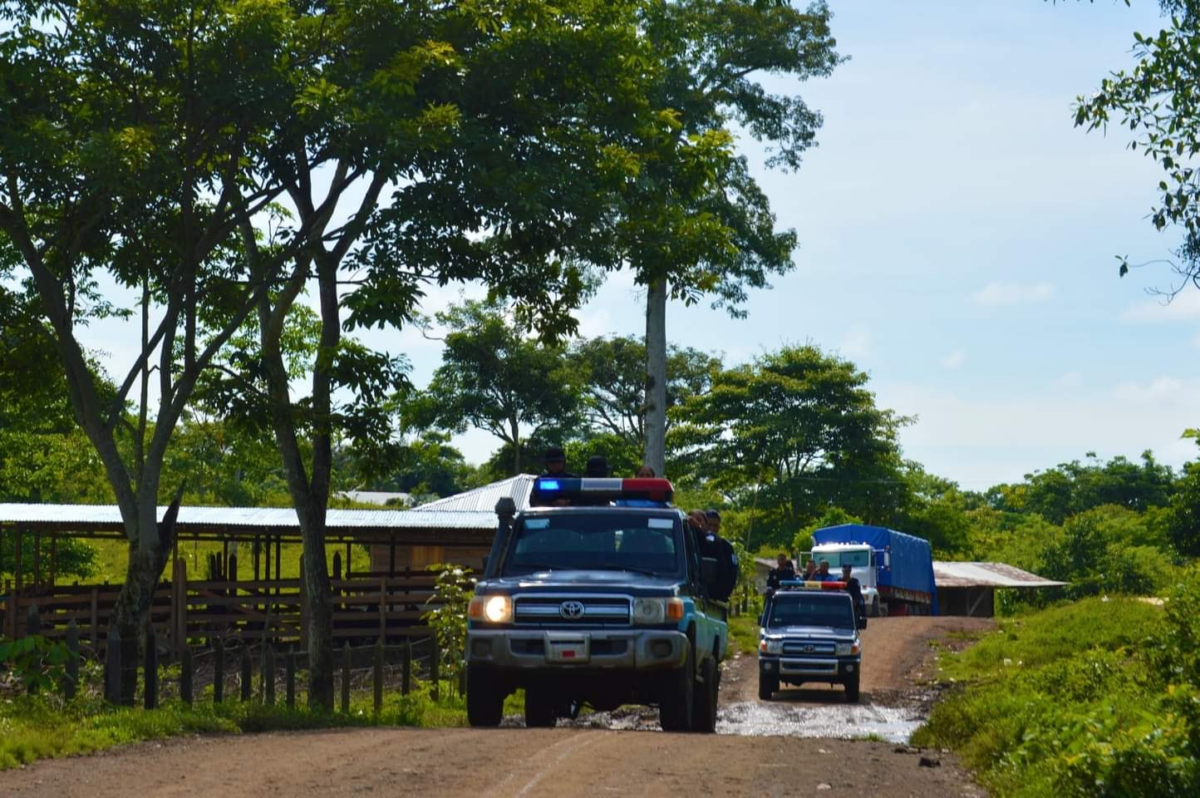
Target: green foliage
832	516
802	428
493	377
1156	101
1097	697
35	663
73	557
452	593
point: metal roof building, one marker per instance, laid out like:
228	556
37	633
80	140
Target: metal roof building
969	588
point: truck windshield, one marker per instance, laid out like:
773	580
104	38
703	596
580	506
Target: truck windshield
811	610
608	542
836	559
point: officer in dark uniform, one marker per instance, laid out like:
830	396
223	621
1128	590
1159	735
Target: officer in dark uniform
783	570
855	591
555	461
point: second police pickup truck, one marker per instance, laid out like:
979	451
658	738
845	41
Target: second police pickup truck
586	601
809	633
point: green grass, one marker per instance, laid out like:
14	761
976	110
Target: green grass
33	728
743	633
1057	703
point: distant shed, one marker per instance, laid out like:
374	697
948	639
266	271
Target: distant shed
969	588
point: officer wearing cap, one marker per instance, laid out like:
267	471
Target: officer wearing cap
713	520
555	461
855	591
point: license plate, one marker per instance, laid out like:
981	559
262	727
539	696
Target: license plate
566	648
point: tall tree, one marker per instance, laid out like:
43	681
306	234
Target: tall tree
720	233
139	162
614	383
804	426
493	377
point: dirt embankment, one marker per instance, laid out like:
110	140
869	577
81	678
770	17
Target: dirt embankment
548	762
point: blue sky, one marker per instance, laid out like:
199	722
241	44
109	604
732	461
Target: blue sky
957	237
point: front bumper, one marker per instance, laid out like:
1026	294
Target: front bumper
834	669
604	649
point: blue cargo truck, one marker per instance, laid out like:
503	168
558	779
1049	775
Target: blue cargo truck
895	570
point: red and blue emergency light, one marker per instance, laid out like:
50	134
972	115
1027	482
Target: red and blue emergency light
603	488
812	584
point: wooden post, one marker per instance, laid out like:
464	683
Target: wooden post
435	667
392	556
112	666
231	579
383	606
219	671
346	678
291	676
268	674
53	558
278	567
337	567
406	667
303	608
179	605
151	667
267	561
247	673
95	618
379	676
18	567
71	679
187	676
37	559
349	557
255	555
33	621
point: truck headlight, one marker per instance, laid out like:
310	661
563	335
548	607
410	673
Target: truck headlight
655	610
847	649
491	609
769	645
649	610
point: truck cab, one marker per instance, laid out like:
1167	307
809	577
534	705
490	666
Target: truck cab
864	565
809	632
585	601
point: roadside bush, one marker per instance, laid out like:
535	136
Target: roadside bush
1096	698
33	663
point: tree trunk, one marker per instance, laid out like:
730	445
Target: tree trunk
516	436
656	377
319	612
133	604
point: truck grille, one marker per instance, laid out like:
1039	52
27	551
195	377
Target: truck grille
570	611
809	648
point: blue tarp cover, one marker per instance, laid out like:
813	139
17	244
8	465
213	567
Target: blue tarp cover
911	557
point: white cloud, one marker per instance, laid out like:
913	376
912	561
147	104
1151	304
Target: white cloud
954	360
1072	379
857	342
1013	293
1183	307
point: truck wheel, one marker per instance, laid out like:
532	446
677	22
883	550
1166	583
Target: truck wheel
875	607
852	690
675	708
485	701
767	687
539	709
704	713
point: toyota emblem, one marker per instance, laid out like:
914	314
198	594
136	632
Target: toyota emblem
809	649
571	609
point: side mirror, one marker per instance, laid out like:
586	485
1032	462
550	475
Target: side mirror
862	622
709	572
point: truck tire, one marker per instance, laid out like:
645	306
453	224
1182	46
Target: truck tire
485	702
852	690
767	687
540	712
875	607
704	713
677	706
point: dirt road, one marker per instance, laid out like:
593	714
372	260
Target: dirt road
747	758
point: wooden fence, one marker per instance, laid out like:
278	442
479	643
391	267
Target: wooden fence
366	607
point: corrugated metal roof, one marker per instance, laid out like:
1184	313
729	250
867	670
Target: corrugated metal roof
107	516
483	500
986	574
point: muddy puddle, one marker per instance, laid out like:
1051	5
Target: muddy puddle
779	719
844	721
